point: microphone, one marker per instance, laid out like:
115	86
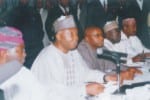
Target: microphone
118	58
112	55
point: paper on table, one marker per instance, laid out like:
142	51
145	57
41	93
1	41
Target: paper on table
137	64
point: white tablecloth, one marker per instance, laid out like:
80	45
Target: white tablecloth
137	93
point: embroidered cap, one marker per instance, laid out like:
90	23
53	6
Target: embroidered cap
110	25
10	37
64	22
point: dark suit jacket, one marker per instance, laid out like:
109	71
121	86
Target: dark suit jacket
97	15
82	21
53	14
123	9
28	21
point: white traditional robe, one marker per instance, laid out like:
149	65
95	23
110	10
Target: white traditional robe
22	86
136	47
132	46
122	46
65	73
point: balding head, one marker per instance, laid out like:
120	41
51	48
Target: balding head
129	26
94	37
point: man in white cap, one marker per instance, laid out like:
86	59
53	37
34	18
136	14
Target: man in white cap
60	65
112	37
113	42
128	34
16	81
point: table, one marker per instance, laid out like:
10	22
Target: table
137	93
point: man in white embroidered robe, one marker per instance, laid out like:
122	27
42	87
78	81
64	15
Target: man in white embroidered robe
61	66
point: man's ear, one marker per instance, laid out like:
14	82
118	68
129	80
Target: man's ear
58	36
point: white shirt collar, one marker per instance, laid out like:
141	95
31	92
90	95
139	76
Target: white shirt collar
123	36
140	3
62	8
102	2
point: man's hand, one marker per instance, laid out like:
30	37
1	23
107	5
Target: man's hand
94	88
134	70
112	78
127	75
147	55
138	58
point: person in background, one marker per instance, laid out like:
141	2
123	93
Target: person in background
81	16
139	10
64	8
43	10
62	67
28	21
16	80
101	11
128	34
123	9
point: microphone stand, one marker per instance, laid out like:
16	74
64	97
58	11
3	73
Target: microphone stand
118	58
118	63
118	75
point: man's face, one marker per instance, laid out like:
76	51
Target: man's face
21	53
130	28
64	2
95	38
24	2
114	35
81	1
1	2
68	38
17	53
39	3
49	4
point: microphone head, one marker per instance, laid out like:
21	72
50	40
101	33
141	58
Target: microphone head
112	55
115	53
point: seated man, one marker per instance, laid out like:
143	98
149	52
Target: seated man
113	42
93	39
61	66
16	81
128	34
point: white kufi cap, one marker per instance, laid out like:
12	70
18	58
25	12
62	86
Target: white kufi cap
64	22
